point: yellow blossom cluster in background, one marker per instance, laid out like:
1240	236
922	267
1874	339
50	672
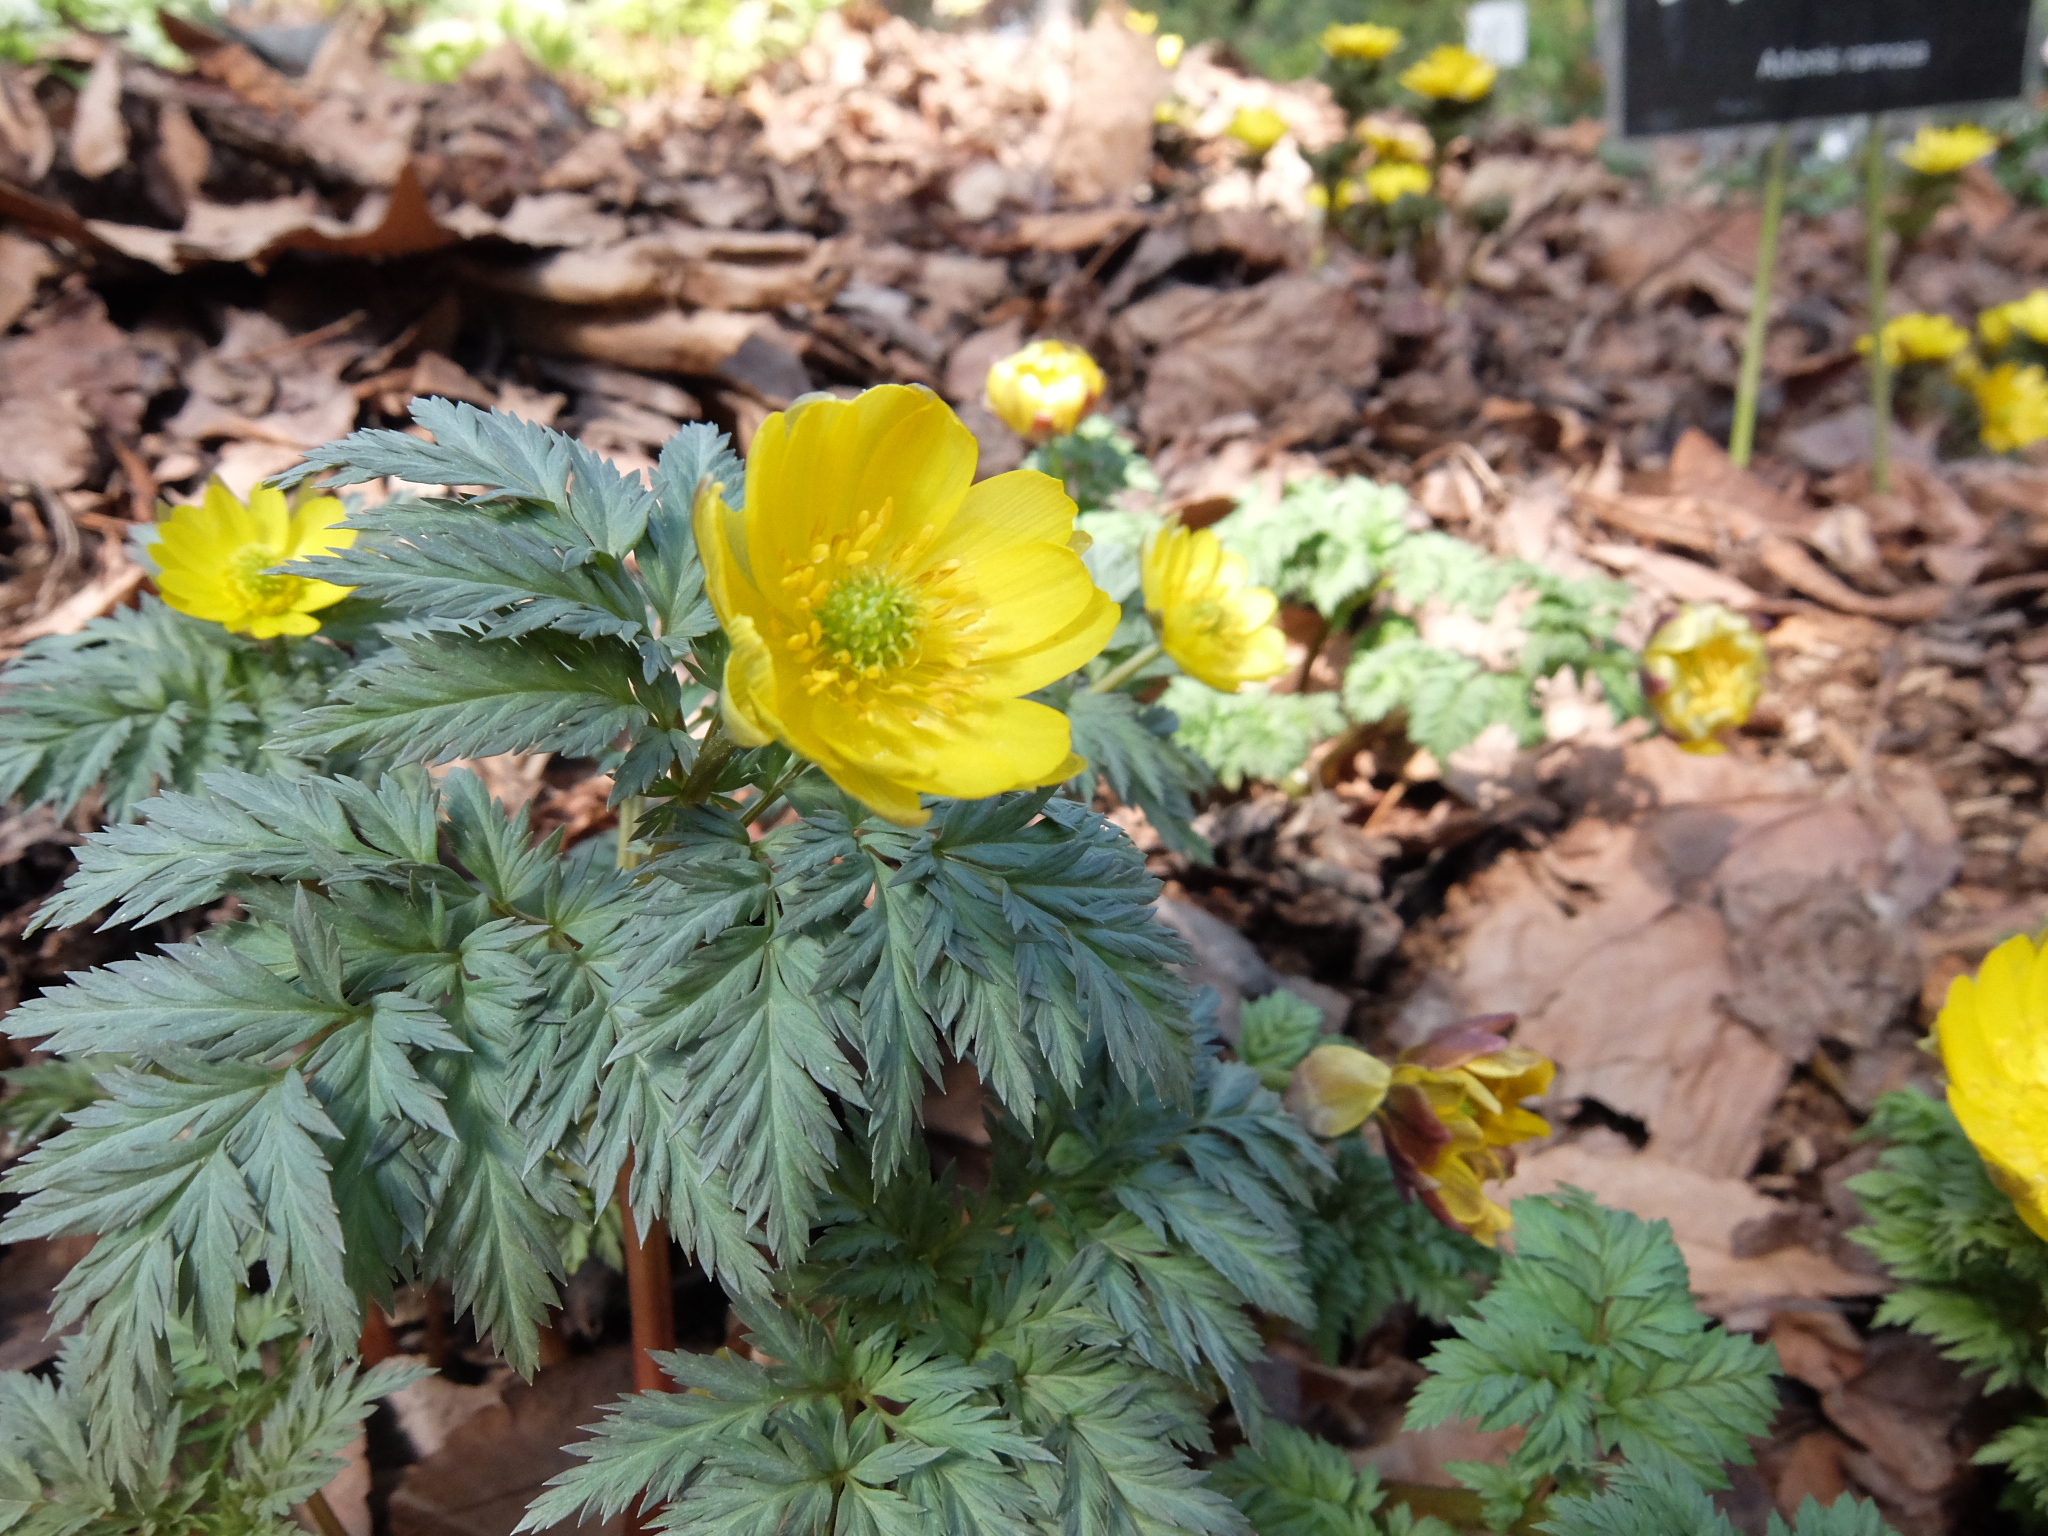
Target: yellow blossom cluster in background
1258	129
1449	1112
218	560
1319	196
2026	317
1395	138
887	614
1216	627
1392	180
1450	73
1170	45
1044	390
2012	399
1920	338
1946	151
2010	393
1363	40
1993	1036
1706	670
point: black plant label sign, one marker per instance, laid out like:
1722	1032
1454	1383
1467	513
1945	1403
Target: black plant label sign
1680	66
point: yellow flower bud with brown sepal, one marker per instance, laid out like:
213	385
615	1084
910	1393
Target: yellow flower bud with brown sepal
1044	390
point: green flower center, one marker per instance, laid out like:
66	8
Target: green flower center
266	592
870	620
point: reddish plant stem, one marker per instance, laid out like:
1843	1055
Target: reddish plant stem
647	1289
378	1343
653	1308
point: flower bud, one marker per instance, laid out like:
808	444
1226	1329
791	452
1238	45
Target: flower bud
1337	1088
1706	669
1045	389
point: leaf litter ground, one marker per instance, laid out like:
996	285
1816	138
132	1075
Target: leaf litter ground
215	271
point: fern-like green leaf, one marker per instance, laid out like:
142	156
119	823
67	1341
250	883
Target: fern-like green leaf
1590	1342
148	699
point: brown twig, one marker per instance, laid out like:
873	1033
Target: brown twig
378	1342
323	1514
647	1290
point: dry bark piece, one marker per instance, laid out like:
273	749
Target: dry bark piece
1104	149
1291	349
1817	1346
659	339
117	580
99	138
397	223
27	147
1664	963
490	1467
761	270
1902	1410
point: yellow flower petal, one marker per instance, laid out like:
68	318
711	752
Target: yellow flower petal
1360	40
1993	1038
1336	1088
1449	73
2027	316
218	560
1258	129
2013	401
1044	390
1707	669
748	700
1214	626
1945	151
1393	180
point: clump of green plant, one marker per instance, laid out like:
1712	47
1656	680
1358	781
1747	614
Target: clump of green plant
1349	549
433	1045
625	47
1973	1277
252	1428
1630	1401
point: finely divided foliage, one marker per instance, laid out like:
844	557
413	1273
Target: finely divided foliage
430	1045
433	1041
146	699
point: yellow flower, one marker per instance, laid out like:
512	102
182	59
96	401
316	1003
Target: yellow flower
1392	180
1919	338
1449	73
886	613
1361	40
1993	1035
1336	1088
1945	151
1144	23
216	560
1453	1111
1347	194
2028	316
1044	390
1707	667
1215	627
1258	129
1395	138
2013	400
1171	46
